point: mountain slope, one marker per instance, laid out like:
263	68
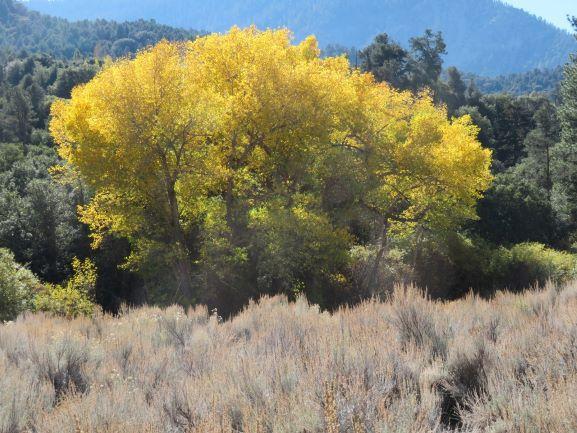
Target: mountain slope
21	28
537	81
484	36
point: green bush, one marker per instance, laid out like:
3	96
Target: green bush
394	269
17	287
75	297
450	267
517	268
534	263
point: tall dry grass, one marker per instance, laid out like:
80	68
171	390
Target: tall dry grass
407	365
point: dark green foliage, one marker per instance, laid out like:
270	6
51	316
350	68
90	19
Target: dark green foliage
38	220
523	132
39	224
452	266
416	69
427	63
24	29
540	144
511	120
534	197
535	81
29	84
456	90
516	210
70	77
19	114
387	61
566	153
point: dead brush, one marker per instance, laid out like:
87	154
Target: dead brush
330	409
63	365
405	365
414	320
466	379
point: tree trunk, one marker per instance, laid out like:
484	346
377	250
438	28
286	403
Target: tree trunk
372	279
231	215
229	203
548	168
183	268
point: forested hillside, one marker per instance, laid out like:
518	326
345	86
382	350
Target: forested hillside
21	28
485	37
277	204
536	81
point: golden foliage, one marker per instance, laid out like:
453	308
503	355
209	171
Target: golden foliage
245	116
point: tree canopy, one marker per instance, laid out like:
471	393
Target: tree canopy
232	146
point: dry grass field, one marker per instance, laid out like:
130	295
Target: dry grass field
406	365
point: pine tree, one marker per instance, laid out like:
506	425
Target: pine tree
566	152
22	114
456	94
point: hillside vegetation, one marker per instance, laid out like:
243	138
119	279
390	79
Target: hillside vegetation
486	37
405	365
535	81
22	29
203	201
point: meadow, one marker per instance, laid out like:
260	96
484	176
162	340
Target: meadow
405	364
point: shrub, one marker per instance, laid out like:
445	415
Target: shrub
415	321
393	269
17	287
288	367
450	267
533	263
62	365
467	378
75	297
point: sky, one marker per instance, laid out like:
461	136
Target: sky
554	11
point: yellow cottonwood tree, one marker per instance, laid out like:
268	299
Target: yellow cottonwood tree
134	133
194	147
416	167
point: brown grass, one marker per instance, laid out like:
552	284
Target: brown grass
407	365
